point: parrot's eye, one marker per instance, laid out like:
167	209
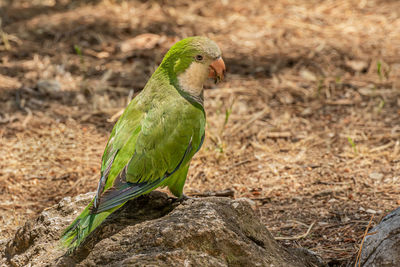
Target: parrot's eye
199	57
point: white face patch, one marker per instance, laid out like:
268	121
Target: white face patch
193	78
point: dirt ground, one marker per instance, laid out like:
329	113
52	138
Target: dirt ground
306	124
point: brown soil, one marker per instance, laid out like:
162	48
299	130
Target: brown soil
307	123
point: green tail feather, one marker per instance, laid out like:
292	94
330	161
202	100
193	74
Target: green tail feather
82	226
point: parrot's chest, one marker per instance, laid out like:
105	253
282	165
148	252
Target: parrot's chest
189	122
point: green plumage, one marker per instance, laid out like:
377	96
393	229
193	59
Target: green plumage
152	143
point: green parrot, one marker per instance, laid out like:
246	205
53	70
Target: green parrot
153	142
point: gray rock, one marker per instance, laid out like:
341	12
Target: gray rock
382	247
49	86
155	231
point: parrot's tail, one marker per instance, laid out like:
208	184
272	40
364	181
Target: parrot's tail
83	225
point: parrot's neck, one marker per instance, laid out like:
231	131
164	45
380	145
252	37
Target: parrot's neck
192	79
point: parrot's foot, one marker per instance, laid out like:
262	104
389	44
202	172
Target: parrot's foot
184	197
180	199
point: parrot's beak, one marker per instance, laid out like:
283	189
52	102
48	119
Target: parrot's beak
217	70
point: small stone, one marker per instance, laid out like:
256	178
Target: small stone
307	112
371	211
308	75
141	41
80	99
48	86
357	65
376	175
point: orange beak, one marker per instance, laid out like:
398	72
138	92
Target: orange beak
217	70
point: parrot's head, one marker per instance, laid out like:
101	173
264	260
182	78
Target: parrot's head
191	61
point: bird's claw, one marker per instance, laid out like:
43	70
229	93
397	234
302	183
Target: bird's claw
184	197
180	199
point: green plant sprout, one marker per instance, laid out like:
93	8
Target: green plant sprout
78	51
383	70
381	105
353	145
379	69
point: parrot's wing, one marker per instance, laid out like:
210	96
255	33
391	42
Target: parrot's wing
120	147
159	145
122	190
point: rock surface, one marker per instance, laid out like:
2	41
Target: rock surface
155	231
382	247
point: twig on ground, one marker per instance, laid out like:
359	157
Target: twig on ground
296	237
116	115
28	118
223	193
362	243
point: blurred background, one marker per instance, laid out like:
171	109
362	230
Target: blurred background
306	124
